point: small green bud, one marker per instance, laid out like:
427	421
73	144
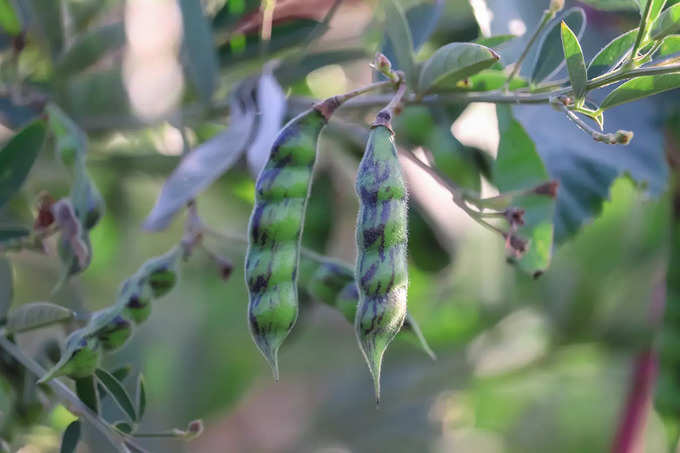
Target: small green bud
81	357
138	308
556	5
115	334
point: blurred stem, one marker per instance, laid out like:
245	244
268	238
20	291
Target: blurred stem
548	14
642	31
64	393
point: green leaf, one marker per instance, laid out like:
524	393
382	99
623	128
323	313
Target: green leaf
667	23
453	63
87	391
91	47
71	437
518	166
491	79
231	12
669	46
35	315
199	50
205	164
71	141
639	88
399	35
124	427
494	41
117	392
17	158
576	65
611	5
612	54
11	232
655	9
47	22
141	397
9	21
6	286
549	57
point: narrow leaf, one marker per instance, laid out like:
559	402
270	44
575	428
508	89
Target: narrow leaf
453	63
199	50
6	286
612	54
123	427
47	21
612	5
117	392
668	23
576	65
640	88
90	48
9	20
71	142
71	437
494	41
17	158
518	166
422	20
399	35
204	165
549	59
141	397
87	391
35	315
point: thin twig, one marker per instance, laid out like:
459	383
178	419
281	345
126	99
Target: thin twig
619	138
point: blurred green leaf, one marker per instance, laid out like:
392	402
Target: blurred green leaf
296	69
425	247
519	167
639	88
491	79
95	99
667	23
141	397
17	158
232	11
201	167
35	315
71	437
611	54
397	32
611	5
117	392
123	427
550	58
576	65
6	286
9	20
91	47
422	20
47	20
199	49
86	389
71	141
656	7
10	232
453	63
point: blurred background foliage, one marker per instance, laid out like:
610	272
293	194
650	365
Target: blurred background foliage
523	364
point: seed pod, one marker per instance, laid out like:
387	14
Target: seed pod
275	230
332	282
161	273
80	358
381	267
137	302
115	334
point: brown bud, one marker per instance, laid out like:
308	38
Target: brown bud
44	217
382	63
225	266
623	137
515	245
514	216
549	189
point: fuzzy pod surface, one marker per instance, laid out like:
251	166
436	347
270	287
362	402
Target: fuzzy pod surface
275	230
381	234
81	356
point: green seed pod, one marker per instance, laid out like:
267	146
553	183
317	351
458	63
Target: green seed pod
381	267
80	358
115	334
332	283
161	273
138	303
275	231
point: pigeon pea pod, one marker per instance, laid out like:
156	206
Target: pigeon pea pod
381	235
275	230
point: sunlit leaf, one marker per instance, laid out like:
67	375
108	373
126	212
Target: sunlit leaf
17	158
576	65
204	165
117	392
71	437
9	20
35	315
550	58
611	54
669	46
639	88
667	23
452	63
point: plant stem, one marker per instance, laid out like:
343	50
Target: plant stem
608	138
547	17
363	90
62	391
642	31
